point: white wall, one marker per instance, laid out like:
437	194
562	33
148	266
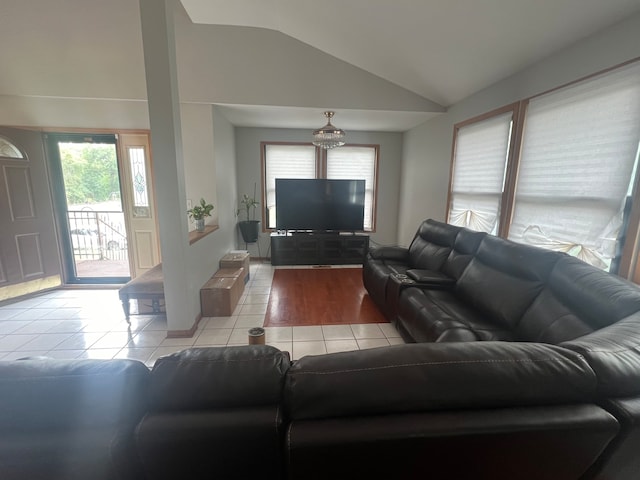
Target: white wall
204	255
256	66
224	149
66	56
427	148
199	162
249	172
73	112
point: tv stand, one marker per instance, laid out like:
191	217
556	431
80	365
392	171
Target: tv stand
318	248
313	232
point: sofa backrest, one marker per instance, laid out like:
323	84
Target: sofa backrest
70	419
598	297
435	376
504	278
217	378
444	410
464	248
48	394
576	300
431	245
596	314
215	412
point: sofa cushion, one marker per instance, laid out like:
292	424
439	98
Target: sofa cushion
428	315
549	320
436	376
504	278
224	377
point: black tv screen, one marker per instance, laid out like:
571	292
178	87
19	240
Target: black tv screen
319	204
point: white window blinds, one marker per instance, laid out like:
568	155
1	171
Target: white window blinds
579	148
478	174
285	161
357	163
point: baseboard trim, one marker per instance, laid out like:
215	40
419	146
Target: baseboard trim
20	291
185	333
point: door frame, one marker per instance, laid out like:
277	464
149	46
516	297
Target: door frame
62	276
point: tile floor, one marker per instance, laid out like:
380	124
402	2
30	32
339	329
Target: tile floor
90	324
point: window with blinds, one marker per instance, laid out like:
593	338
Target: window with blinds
285	161
579	149
357	163
478	174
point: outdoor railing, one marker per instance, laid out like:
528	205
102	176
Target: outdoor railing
97	235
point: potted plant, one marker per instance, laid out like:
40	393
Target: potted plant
199	212
249	226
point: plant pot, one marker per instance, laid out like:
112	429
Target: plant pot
249	230
200	225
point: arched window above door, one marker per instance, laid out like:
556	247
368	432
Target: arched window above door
9	150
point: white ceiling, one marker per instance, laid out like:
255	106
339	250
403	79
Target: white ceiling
443	50
312	118
87	55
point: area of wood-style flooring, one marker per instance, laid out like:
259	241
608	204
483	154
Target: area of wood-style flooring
320	296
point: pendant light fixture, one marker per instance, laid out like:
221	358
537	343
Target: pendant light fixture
328	136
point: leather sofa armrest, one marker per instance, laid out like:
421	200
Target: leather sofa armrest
400	254
436	376
218	377
426	278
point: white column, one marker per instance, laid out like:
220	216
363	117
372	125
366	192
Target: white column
158	36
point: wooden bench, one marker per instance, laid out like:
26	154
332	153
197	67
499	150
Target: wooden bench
148	286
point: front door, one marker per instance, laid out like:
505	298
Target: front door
29	255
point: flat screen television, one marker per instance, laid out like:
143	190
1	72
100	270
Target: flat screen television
320	204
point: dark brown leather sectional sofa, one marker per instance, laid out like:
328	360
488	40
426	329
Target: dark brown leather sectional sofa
453	286
430	410
522	363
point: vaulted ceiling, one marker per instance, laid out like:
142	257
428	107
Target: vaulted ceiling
384	65
444	50
441	50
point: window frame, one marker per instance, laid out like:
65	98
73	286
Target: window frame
514	108
629	265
